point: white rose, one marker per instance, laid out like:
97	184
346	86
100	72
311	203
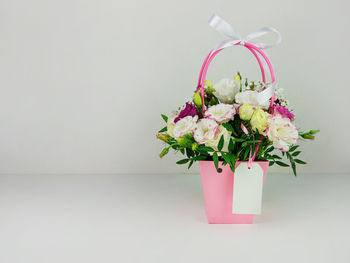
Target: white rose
184	126
215	141
282	132
206	130
221	112
226	90
249	97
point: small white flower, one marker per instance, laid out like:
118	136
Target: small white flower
206	130
184	126
215	141
221	112
282	132
226	90
249	97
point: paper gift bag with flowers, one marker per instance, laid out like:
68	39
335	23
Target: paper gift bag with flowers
235	128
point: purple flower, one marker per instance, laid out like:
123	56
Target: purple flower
189	110
284	112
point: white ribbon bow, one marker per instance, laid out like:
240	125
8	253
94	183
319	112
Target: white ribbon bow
226	29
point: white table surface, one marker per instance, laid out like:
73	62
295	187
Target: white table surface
161	218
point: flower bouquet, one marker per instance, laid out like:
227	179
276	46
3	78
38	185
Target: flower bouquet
235	128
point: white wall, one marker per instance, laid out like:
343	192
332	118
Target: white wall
83	82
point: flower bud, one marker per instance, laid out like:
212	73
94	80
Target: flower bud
164	137
259	120
245	112
237	77
194	146
208	83
314	131
307	136
209	87
197	99
164	152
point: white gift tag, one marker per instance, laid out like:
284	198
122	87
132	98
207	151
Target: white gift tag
247	189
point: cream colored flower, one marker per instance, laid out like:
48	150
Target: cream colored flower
221	112
206	130
184	126
249	97
226	90
213	143
259	120
171	124
282	132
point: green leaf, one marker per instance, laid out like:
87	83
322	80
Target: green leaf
276	157
163	130
269	149
271	163
226	158
231	146
299	161
293	148
189	153
190	164
228	126
183	161
221	143
246	153
200	158
253	141
165	118
294	168
238	140
216	160
232	163
282	164
296	153
203	148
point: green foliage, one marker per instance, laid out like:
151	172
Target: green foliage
203	148
231	145
281	163
299	161
163	130
221	143
165	118
183	161
309	135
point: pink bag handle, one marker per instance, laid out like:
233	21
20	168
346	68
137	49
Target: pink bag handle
254	50
250	47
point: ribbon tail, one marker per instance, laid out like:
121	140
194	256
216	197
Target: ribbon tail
266	94
261	32
223	27
250	160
